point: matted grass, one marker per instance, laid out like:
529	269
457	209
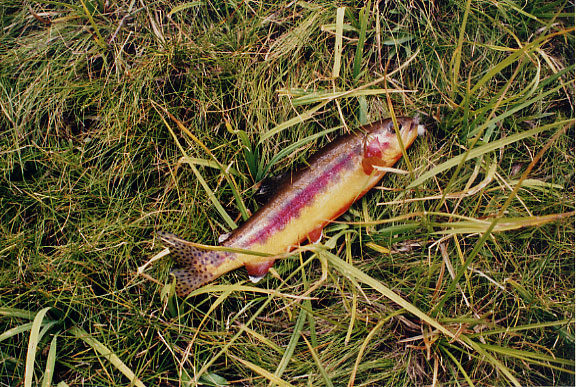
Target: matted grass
121	119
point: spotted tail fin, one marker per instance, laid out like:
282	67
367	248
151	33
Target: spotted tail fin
196	267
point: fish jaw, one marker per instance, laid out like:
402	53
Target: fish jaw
384	142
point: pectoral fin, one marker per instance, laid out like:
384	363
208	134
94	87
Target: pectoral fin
368	164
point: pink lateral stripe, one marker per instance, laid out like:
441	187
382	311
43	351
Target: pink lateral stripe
302	199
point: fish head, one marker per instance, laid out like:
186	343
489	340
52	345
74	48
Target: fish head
383	145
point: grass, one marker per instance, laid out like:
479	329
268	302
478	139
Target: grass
121	119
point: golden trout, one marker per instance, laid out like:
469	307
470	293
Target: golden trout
305	202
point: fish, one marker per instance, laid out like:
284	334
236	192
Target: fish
305	202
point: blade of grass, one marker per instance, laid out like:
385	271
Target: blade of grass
269	343
301	118
99	39
479	132
505	224
492	360
291	344
327	381
295	145
457	57
528	48
232	340
527	355
338	41
225	173
365	343
364	13
107	353
13	312
225	294
206	163
229	221
492	146
15	331
460	368
310	113
521	106
262	372
524	327
182	7
350	271
50	362
353	311
33	346
316	96
485	235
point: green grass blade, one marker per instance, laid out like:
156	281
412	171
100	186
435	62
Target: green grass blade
185	6
107	353
527	49
50	363
289	351
338	41
225	173
480	243
524	327
206	163
266	341
99	39
229	221
319	95
492	360
521	106
301	118
19	313
295	145
15	331
364	14
460	368
479	151
505	224
457	56
33	346
363	347
327	381
527	355
352	272
264	373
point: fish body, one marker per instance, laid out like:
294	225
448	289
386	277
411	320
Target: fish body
304	203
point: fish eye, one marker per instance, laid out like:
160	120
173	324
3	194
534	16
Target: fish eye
391	127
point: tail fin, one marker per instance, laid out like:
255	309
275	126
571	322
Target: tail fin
196	267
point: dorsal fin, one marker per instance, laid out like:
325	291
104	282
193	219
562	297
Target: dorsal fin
269	186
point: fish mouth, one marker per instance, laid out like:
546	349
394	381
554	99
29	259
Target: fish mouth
421	129
411	130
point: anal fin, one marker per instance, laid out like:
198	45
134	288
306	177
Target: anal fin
257	271
315	236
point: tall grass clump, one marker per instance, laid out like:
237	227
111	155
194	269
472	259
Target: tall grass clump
121	119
